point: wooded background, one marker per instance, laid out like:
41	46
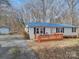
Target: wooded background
51	11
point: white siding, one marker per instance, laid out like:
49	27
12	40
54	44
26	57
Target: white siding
48	30
68	32
31	33
77	30
53	30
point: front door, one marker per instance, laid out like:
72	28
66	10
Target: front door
42	31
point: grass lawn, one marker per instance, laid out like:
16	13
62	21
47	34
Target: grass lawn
64	49
68	42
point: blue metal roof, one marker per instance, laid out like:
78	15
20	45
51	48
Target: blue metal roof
43	24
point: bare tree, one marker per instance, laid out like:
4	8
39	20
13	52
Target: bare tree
72	4
53	11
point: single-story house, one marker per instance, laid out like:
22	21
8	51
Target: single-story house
41	28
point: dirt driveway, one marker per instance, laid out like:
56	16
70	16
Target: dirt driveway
11	44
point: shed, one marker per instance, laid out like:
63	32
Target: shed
4	30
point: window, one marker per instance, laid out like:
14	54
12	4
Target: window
59	30
34	30
73	29
62	30
41	30
44	30
37	30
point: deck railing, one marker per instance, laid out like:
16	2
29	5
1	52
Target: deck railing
56	36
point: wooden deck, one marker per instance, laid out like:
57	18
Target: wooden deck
56	36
